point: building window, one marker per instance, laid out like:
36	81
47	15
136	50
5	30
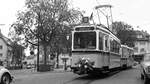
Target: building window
136	49
136	43
139	36
142	50
1	47
1	54
142	43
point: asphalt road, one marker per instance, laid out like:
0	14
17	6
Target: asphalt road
130	76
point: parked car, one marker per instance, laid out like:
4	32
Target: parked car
29	66
145	68
135	63
5	76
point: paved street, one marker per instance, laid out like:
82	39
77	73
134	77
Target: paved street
131	76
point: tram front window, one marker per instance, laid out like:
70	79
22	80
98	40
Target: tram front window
85	40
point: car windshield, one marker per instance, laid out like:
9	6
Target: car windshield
147	57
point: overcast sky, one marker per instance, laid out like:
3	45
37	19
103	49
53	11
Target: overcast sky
133	12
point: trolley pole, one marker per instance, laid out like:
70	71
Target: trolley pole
108	16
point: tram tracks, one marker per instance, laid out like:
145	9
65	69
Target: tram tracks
88	79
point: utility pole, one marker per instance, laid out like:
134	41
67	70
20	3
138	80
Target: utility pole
38	49
38	52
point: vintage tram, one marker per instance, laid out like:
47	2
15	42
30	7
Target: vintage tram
95	49
127	60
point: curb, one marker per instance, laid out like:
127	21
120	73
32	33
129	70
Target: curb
30	71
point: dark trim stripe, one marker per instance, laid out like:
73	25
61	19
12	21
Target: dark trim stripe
89	52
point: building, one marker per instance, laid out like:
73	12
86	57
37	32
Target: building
5	50
142	44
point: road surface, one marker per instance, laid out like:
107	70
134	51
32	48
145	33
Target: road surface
130	76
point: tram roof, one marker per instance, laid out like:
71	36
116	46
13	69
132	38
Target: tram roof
99	27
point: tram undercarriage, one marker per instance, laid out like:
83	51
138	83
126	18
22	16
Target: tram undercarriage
86	67
82	70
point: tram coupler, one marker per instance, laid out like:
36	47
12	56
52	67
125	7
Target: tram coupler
84	66
83	69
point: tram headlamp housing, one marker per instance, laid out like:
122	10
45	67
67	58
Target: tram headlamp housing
85	66
79	65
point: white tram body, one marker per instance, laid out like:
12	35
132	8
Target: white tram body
126	56
97	46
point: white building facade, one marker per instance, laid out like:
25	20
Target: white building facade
141	47
5	51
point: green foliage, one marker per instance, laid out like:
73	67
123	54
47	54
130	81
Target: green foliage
125	33
47	20
127	37
119	26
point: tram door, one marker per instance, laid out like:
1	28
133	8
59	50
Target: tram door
106	54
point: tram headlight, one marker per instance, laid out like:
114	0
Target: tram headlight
85	66
79	65
86	61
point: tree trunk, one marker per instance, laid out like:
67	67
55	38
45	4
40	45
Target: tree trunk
45	54
57	66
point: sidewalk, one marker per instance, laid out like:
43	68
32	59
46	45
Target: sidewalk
34	71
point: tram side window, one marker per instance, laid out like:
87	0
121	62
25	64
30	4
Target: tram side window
106	43
111	45
118	47
114	46
101	36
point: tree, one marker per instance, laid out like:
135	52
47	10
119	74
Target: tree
44	20
127	37
61	44
125	33
119	26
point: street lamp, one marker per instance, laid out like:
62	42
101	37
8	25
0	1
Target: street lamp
66	58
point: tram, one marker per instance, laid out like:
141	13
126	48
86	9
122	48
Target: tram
127	60
95	49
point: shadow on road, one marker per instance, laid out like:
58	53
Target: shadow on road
88	79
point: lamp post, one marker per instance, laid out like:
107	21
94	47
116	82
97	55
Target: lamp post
66	58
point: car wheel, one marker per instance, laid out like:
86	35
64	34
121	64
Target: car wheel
5	79
142	76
